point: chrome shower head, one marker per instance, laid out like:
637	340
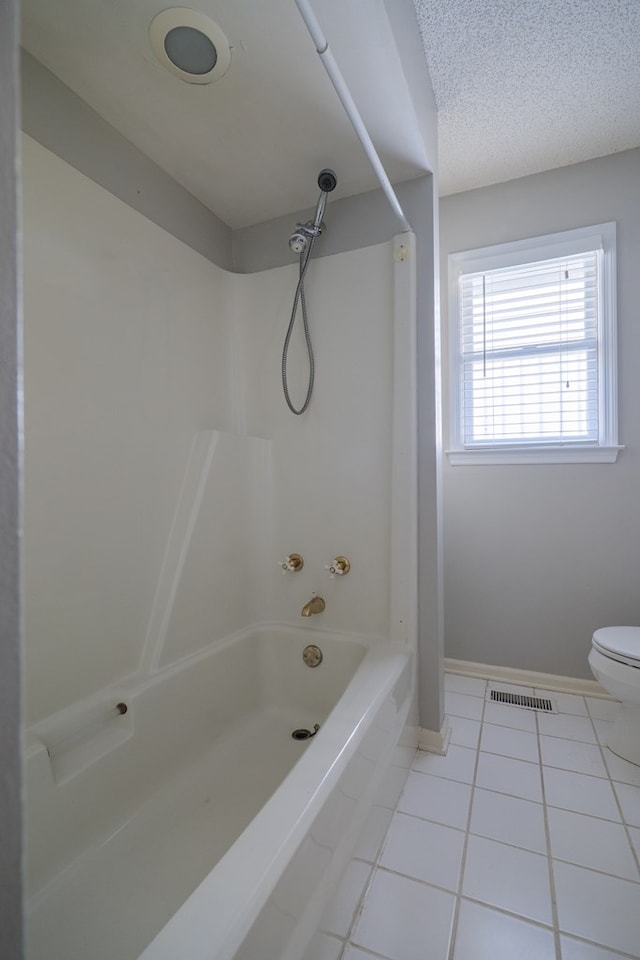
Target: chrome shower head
327	180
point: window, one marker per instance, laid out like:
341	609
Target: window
533	328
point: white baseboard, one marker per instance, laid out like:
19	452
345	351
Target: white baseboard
435	741
527	678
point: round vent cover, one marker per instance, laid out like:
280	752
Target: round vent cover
190	45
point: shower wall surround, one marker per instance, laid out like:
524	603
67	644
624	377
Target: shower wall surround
332	466
62	122
11	853
164	474
125	359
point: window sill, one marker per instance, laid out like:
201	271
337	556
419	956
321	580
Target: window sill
505	455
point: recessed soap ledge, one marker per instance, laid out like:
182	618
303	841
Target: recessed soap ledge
80	735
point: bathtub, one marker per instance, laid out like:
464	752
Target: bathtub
176	816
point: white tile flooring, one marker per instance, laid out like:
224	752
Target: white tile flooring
523	843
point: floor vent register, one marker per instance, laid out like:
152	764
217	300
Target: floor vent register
542	704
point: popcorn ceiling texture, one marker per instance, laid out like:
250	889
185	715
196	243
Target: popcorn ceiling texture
528	85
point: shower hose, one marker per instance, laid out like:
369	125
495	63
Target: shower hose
299	300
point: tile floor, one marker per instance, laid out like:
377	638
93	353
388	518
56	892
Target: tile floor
523	843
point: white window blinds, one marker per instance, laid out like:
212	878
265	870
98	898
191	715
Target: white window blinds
529	353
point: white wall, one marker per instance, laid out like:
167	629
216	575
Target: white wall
10	616
164	475
332	465
57	118
537	557
126	358
356	222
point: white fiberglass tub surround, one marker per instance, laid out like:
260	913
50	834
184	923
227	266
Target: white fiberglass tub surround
192	825
206	815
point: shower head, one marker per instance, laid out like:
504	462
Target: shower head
327	180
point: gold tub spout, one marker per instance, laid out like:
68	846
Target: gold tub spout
315	605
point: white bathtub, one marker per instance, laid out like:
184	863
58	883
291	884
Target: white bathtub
193	825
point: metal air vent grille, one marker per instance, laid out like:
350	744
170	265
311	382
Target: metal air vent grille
522	700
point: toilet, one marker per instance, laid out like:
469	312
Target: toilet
615	662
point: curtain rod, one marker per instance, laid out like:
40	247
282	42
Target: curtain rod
335	75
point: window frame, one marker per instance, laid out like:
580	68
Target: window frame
600	237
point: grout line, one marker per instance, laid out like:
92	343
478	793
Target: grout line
459	898
549	928
359	906
590	743
459	717
463	861
612	783
602	873
592	943
581	813
507	724
635	854
437	823
348	941
509	756
552	885
375	866
420	880
583	773
461	693
513	846
509	913
332	936
366	950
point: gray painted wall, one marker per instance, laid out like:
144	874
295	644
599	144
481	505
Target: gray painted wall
10	693
537	557
63	123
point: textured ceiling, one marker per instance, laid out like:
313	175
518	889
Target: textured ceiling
528	85
521	86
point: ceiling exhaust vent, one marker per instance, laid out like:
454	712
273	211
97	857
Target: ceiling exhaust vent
190	45
522	700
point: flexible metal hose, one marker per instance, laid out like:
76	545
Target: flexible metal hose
299	299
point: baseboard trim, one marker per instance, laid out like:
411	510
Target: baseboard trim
527	678
435	741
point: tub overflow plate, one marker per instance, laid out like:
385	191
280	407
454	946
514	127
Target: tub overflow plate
312	655
303	734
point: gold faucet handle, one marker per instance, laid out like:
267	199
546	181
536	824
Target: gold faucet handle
339	567
292	564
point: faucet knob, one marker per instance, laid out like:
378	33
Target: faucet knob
291	564
339	567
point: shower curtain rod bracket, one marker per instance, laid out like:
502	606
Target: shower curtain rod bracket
335	75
